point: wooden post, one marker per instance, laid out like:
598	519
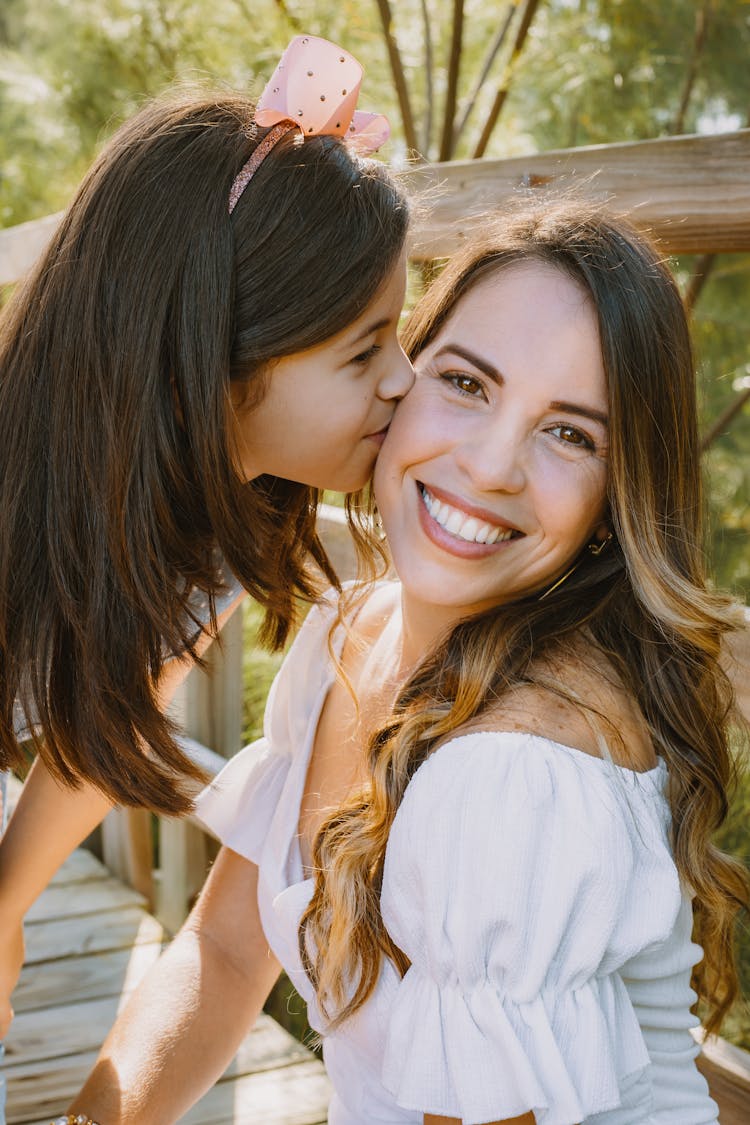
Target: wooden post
208	707
127	849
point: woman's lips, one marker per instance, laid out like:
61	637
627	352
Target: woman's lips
453	544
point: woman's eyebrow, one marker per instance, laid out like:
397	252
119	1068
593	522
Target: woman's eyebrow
478	361
583	411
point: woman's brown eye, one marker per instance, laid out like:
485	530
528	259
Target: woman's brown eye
572	436
567	433
464	384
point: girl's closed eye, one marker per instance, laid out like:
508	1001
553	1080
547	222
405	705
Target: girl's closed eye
368	354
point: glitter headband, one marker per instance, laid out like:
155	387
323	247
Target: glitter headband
314	91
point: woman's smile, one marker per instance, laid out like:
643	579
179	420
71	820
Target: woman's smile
462	527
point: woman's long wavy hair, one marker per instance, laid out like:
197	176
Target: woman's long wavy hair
119	495
644	605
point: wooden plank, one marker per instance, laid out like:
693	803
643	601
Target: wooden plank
333	529
296	1095
91	933
41	1085
96	896
693	192
36	1090
127	849
80	866
730	1092
90	977
72	1028
20	246
182	872
208	705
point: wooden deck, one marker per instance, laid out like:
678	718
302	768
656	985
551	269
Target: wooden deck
89	941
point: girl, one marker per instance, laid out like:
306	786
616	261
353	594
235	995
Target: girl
480	849
208	342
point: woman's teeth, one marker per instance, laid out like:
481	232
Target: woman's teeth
461	525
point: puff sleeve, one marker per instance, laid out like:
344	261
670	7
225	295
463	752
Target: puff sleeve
520	876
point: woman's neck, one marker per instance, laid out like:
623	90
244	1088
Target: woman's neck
423	626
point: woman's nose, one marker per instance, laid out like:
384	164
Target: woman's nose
398	378
493	457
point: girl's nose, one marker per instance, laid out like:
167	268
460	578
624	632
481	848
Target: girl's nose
398	378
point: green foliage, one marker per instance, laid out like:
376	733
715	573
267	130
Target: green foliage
258	670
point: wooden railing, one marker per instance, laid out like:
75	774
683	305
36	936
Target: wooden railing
693	193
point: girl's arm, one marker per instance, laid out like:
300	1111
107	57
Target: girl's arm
50	821
182	1026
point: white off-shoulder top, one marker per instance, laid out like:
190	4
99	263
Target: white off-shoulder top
533	890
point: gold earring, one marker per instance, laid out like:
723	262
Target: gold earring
596	548
560	581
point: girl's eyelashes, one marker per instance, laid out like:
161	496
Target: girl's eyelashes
366	355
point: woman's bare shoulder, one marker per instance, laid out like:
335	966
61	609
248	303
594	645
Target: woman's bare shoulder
578	700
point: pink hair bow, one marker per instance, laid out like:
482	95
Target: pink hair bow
316	85
314	89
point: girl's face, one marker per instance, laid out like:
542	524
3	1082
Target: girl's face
494	472
326	410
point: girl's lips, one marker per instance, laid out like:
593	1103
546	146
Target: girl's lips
452	544
378	437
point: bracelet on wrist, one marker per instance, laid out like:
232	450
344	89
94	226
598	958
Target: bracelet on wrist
73	1119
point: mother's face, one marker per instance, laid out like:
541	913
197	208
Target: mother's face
494	472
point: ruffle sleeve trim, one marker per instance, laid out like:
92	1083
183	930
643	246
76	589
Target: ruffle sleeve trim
239	804
478	1056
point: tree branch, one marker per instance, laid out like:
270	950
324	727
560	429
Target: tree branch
527	16
698	279
492	53
428	79
454	66
699	42
399	78
725	418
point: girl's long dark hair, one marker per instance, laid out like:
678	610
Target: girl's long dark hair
118	490
644	605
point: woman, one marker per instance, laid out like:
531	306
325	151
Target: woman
489	911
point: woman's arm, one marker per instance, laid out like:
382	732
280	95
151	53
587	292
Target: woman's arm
51	820
183	1024
525	1119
